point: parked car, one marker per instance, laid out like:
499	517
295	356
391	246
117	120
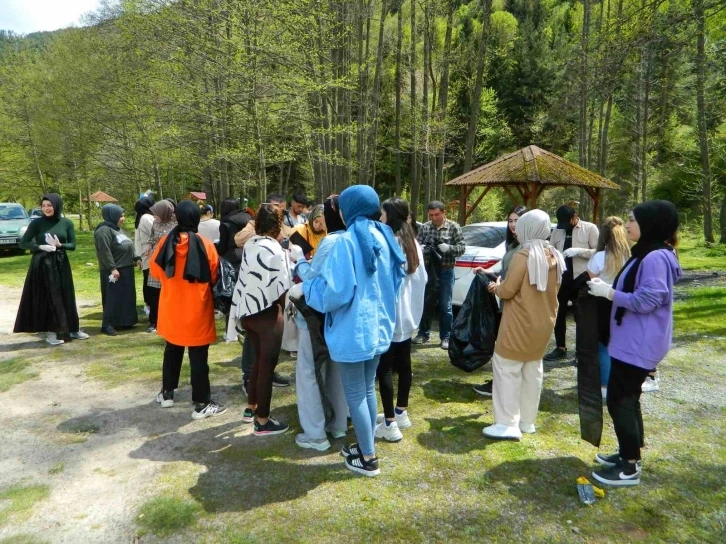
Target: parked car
35	213
485	247
14	222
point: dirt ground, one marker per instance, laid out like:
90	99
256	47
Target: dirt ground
83	437
97	449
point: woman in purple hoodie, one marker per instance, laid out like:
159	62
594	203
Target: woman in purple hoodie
641	328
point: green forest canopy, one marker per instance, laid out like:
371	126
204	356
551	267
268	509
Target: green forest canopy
250	97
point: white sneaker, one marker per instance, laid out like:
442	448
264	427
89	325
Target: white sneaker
527	428
79	335
402	419
445	344
651	384
320	444
209	410
389	433
166	401
53	340
502	432
147	310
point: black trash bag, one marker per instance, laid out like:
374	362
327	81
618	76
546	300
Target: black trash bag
474	333
224	288
589	395
321	355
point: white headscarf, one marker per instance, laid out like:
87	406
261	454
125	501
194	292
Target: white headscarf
533	229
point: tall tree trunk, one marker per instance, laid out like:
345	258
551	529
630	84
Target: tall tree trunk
698	10
478	85
360	133
584	46
444	99
425	103
373	129
399	44
414	134
722	220
644	145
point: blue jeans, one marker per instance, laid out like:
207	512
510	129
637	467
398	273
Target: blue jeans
359	385
446	314
604	359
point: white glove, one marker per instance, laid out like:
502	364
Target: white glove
47	248
296	253
574	252
599	288
49	239
57	241
444	248
295	292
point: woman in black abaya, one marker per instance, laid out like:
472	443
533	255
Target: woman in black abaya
48	303
115	252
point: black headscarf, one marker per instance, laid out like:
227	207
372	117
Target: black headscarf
658	222
143	207
111	214
172	202
196	268
57	201
331	212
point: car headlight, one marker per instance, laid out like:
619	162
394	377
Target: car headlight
22	230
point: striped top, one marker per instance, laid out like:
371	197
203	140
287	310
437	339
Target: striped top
264	276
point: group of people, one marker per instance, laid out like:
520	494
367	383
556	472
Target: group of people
346	285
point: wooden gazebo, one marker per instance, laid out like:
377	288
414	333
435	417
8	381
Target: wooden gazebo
528	172
102	198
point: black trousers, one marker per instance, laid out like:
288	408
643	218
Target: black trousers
154	295
398	358
199	360
566	294
624	389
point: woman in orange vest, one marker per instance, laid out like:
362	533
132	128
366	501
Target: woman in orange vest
186	264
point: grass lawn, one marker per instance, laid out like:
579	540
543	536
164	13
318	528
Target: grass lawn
444	482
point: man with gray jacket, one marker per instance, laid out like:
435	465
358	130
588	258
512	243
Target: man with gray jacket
577	241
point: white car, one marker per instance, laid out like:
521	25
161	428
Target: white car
485	247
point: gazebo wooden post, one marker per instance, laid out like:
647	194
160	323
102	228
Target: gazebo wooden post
595	205
462	204
532	195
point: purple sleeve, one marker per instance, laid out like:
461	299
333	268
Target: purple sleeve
652	286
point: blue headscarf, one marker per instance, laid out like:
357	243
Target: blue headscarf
359	203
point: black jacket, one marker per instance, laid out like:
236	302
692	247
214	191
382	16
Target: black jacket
230	225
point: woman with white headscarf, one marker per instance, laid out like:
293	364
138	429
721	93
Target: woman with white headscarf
528	319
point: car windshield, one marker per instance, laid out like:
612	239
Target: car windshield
483	236
12	212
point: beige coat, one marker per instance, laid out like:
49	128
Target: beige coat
584	236
528	317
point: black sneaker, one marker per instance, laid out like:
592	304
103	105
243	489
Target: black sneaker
109	331
210	409
626	474
613	460
555	355
351	449
271	427
485	389
420	339
151	328
248	416
280	381
358	464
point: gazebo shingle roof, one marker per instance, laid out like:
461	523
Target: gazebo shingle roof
533	165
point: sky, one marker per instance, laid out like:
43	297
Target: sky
26	16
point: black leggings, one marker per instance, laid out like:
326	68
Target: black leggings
397	357
264	330
624	389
